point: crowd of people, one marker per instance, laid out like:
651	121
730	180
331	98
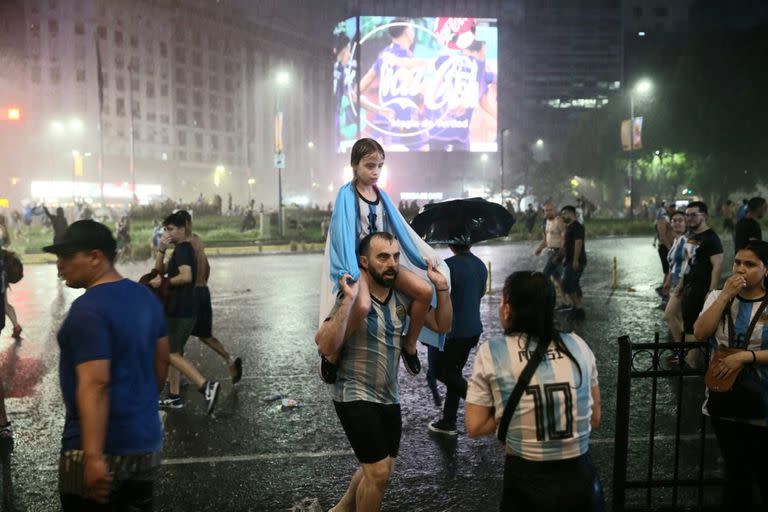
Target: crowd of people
534	388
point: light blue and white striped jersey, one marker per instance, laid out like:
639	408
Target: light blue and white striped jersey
742	312
677	259
370	357
371	216
552	420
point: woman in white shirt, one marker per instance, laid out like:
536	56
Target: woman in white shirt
548	467
740	417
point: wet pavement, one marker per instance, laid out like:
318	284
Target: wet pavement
252	454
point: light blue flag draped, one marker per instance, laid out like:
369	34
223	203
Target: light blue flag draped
341	251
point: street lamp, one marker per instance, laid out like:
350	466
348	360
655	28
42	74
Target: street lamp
282	79
641	88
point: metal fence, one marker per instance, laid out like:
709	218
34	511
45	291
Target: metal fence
665	426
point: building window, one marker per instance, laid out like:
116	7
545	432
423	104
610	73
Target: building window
181	116
150	90
134	42
197	79
215	142
660	11
230	123
182	155
197	39
118	38
213	101
163	49
119	61
230	144
53	28
151	116
55	75
637	11
102	31
164	118
79	29
134	63
229	105
197	119
199	140
136	109
134	84
214	122
198	98
214	82
36	75
120	83
80	75
181	95
197	59
181	76
120	107
164	90
228	85
181	137
34	28
181	56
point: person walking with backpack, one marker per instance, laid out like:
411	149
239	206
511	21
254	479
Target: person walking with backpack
14	272
539	388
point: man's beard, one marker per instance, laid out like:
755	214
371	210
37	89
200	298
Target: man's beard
386	279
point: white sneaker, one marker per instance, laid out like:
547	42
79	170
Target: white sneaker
211	393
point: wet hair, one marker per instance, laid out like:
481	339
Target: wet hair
701	205
755	204
760	249
60	211
176	219
531	296
568	208
364	249
397	30
363	148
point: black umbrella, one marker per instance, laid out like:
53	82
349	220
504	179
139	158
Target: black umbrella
462	221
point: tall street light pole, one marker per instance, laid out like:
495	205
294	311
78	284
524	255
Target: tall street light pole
283	78
643	87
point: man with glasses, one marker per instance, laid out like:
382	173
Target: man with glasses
704	253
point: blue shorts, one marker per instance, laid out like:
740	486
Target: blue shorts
553	268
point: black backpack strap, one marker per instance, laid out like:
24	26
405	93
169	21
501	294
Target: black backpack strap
517	392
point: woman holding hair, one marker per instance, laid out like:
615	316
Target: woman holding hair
362	208
548	466
742	433
677	259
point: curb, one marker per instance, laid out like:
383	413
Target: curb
42	258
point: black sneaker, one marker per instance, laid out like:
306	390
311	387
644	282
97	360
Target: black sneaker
237	366
443	427
327	370
211	393
411	362
171	402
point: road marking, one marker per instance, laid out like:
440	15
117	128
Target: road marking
241	458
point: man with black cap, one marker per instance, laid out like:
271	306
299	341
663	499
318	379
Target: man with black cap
114	360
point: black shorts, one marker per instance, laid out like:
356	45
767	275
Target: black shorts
570	485
204	324
373	429
691	304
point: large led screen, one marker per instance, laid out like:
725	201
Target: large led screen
423	84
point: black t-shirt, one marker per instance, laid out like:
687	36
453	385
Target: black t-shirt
746	229
700	247
181	299
574	231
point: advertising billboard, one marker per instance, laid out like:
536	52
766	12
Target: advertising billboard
416	84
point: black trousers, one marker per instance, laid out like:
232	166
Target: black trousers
450	363
130	496
744	448
554	486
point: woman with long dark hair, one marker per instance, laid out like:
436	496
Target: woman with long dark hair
736	317
548	467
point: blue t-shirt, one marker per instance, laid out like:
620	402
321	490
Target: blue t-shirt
468	281
119	321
